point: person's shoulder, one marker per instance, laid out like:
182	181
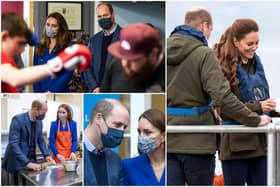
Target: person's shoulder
109	152
72	123
94	39
21	115
204	48
7	61
257	57
54	123
119	28
112	156
134	160
94	36
205	52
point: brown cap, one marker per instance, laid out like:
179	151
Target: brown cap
136	40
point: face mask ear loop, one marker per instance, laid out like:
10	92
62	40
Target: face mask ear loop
102	116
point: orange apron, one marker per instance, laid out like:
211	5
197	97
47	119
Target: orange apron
63	143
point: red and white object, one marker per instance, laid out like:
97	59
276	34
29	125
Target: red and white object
75	56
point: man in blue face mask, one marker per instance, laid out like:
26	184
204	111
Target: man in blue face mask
24	134
108	120
98	44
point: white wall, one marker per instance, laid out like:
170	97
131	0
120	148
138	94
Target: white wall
266	14
137	106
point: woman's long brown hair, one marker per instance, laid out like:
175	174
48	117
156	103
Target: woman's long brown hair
227	52
63	37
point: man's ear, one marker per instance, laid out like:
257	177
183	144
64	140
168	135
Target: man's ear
200	27
97	118
203	27
4	35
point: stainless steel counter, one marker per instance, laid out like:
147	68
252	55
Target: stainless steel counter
54	175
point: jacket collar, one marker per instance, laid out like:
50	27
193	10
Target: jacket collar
110	32
190	31
27	123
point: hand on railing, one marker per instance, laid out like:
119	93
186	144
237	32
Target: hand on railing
268	105
264	120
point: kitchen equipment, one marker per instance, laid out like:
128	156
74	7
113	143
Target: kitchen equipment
70	165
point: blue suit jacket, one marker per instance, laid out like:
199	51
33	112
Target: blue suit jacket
113	165
138	171
19	143
91	75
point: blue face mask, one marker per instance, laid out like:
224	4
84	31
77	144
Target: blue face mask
105	23
50	32
113	137
146	145
40	117
62	116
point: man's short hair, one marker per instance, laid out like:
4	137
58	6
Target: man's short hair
197	16
15	25
37	104
110	7
104	107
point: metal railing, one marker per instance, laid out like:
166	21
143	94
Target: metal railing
273	142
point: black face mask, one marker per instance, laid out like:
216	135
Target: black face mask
105	23
40	117
113	137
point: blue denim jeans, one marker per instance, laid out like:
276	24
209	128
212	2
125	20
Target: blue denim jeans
252	171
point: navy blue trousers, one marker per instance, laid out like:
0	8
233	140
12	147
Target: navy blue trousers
252	171
190	169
